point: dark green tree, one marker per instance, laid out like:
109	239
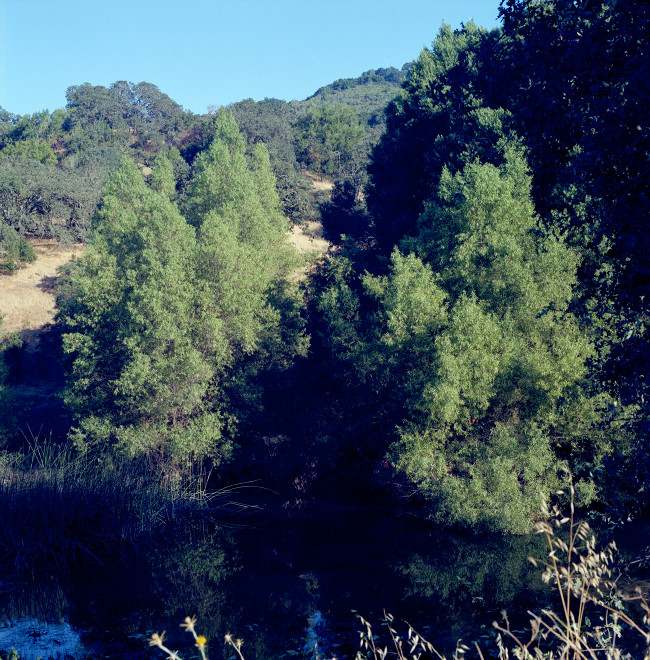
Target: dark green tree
344	214
583	66
44	201
440	119
327	136
88	104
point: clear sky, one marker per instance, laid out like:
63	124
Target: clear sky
203	52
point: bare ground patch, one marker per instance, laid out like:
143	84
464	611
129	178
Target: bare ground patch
26	298
318	183
309	238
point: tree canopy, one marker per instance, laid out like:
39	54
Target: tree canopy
169	321
478	325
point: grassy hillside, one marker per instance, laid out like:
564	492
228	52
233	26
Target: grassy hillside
368	94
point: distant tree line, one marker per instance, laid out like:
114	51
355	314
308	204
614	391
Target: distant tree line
53	166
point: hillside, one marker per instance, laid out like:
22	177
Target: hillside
478	323
26	298
368	94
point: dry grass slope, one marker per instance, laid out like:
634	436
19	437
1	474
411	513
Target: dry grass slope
26	299
319	183
309	238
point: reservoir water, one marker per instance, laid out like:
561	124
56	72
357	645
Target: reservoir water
289	584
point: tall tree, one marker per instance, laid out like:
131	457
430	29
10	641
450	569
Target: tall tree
442	118
488	374
471	354
245	259
583	67
272	122
169	323
144	353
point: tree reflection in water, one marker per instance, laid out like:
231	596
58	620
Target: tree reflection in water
287	583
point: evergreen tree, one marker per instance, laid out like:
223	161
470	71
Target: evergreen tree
583	68
162	176
502	357
441	118
169	324
244	258
472	352
145	354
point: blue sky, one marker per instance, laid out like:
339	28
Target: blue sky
204	52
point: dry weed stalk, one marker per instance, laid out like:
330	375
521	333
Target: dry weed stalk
413	647
583	577
158	640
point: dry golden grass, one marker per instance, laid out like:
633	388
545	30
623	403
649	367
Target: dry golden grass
309	238
319	183
26	298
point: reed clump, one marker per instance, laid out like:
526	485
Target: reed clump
58	506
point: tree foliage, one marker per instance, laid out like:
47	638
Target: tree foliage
30	149
440	119
271	122
473	345
327	137
483	333
167	322
143	354
53	166
481	320
583	67
508	354
39	200
344	214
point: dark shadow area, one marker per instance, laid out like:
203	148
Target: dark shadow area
47	283
35	382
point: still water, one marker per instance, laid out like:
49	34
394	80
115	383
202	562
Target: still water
288	584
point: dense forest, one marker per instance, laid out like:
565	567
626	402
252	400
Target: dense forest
477	330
